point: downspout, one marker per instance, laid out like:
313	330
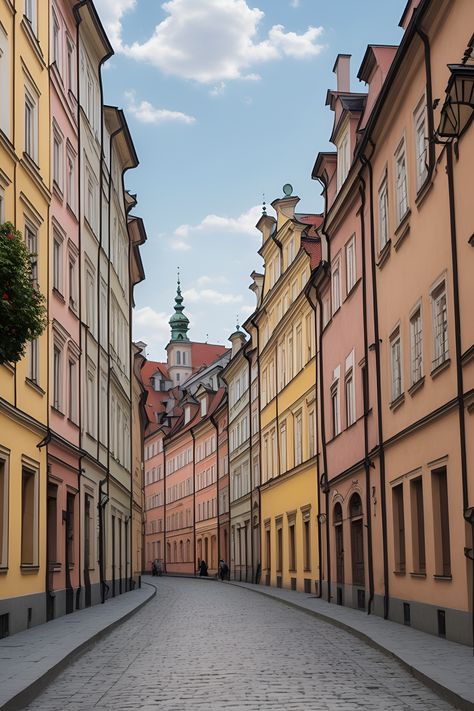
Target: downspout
365	391
255	325
252	556
366	162
194	502
164	507
101	506
318	453
214	423
429	105
280	247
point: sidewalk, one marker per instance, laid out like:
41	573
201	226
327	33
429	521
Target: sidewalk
30	659
445	667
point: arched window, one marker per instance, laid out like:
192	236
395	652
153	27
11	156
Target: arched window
184	357
339	535
178	357
175	552
168	552
181	551
188	550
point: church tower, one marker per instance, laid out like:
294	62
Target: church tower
179	347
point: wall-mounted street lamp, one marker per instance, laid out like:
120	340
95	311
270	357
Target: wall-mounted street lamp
458	109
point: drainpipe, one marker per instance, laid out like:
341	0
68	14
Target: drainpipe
429	104
101	504
318	453
214	423
255	325
252	556
194	502
366	162
365	387
165	557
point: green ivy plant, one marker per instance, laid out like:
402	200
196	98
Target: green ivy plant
22	306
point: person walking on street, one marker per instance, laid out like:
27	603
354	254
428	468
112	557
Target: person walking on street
223	569
203	569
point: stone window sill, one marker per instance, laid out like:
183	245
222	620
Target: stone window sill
395	404
415	574
384	254
399	572
417	386
443	578
439	368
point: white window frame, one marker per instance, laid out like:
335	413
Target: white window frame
440	345
351	274
33	361
58	246
416	344
343	158
298	436
383	211
56	40
350	397
396	365
57	376
5	463
31	123
5	101
31	14
401	181
336	285
420	122
335	409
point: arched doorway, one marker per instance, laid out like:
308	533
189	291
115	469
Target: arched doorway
206	550
357	540
339	535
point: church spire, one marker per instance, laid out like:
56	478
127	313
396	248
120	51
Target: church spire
179	322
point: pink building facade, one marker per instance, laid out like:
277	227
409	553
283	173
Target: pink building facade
63	577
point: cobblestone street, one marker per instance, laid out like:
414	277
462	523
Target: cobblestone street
204	645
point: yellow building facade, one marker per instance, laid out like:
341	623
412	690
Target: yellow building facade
287	378
24	201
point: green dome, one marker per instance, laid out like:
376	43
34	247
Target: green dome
179	322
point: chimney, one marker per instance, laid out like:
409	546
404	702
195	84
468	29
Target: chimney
342	70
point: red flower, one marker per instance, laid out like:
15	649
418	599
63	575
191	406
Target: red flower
5	296
10	235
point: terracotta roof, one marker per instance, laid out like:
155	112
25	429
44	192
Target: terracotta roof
205	354
312	247
314	220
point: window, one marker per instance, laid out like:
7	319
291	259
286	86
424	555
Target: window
416	346
418	525
3	510
178	357
30	13
298	423
29	517
5	102
56	56
401	182
72	390
57	375
70	65
441	522
290	357
31	239
299	348
350	265
420	145
91	298
350	399
383	213
279	547
291	547
57	263
440	324
336	420
187	414
283	452
91	401
33	361
307	540
2	204
399	528
312	433
72	273
57	160
31	125
71	180
52	525
203	406
396	365
343	159
336	287
309	336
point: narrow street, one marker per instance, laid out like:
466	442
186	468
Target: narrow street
204	645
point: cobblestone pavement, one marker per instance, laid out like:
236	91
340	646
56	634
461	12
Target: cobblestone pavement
203	645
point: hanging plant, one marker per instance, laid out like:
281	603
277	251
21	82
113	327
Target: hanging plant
22	306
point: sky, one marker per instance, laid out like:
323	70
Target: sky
225	100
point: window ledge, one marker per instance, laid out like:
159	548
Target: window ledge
58	294
423	192
35	386
33	39
58	191
57	411
399	572
353	288
402	234
417	386
439	368
292	570
415	574
442	578
395	404
384	254
29	568
10	367
402	223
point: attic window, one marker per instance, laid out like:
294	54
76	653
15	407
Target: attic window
187	414
343	159
203	407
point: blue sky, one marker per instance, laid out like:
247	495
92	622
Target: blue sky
225	100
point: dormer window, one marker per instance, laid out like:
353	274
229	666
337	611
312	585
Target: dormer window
187	414
203	407
343	159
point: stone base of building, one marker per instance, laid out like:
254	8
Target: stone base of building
22	613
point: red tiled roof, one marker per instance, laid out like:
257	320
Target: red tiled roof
312	247
205	354
314	220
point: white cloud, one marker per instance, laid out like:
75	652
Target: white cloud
111	13
203	280
211	41
147	113
150	326
243	224
180	246
210	296
295	3
247	310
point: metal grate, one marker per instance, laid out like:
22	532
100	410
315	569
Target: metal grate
307	585
442	623
361	599
279	581
293	583
4	625
406	614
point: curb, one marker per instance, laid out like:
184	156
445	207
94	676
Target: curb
26	695
443	692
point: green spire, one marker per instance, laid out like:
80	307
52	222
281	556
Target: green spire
179	322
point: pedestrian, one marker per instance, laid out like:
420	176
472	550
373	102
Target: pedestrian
203	569
223	569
